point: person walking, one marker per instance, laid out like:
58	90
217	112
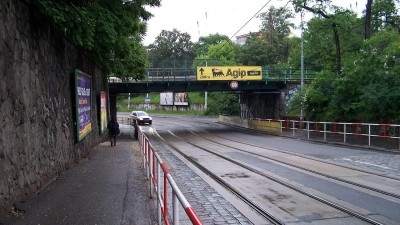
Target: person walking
113	130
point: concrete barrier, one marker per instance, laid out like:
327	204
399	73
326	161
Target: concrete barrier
268	126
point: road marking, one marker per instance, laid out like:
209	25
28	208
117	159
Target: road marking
366	163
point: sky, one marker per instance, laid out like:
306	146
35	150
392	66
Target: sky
204	17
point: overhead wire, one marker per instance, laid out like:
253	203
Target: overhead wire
246	23
251	18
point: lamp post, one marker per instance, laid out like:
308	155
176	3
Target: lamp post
205	95
302	71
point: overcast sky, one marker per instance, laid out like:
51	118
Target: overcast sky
204	17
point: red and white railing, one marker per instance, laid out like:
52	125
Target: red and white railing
155	168
346	130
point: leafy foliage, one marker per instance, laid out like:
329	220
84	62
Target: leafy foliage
201	47
108	29
171	45
370	92
368	88
270	46
221	103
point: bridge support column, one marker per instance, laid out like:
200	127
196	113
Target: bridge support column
260	105
113	104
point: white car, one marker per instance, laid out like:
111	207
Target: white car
141	117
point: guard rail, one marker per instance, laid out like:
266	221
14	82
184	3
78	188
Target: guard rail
155	168
371	134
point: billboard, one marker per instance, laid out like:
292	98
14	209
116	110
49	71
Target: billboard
167	98
103	111
83	85
181	98
229	73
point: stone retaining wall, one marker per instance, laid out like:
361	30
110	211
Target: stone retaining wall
37	112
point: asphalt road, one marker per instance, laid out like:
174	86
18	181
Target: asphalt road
385	163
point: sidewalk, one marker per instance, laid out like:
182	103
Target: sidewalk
108	188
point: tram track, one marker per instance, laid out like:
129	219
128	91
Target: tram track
262	212
394	195
383	192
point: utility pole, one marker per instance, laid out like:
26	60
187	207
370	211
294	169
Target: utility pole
205	95
302	70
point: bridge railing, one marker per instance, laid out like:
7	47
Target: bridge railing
188	74
171	74
155	169
287	74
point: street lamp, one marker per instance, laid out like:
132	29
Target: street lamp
302	70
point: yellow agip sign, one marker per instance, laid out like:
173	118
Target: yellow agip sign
229	73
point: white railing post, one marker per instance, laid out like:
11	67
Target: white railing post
158	192
151	173
324	131
146	153
344	131
175	208
294	127
308	129
369	134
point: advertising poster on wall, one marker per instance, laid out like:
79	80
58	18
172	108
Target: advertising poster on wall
83	83
103	111
167	98
181	98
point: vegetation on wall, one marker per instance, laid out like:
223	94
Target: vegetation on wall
110	30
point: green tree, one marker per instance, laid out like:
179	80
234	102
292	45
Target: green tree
226	52
269	46
369	92
171	45
109	30
320	49
201	47
385	16
222	103
321	8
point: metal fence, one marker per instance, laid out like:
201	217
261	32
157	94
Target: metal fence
155	169
385	136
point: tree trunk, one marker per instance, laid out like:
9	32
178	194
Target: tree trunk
367	27
337	45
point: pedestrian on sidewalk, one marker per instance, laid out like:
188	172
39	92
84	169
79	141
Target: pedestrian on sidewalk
113	130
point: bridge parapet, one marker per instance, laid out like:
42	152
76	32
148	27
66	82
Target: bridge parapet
189	74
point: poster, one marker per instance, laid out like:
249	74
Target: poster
83	83
167	98
103	111
181	98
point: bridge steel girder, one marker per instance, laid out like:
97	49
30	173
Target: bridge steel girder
180	86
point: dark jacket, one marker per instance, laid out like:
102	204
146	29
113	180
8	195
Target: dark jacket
113	127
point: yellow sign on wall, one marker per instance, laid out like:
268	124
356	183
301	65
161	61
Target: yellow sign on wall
229	73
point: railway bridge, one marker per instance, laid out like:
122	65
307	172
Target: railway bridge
260	98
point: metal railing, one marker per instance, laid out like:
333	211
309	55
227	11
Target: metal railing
155	168
379	135
189	74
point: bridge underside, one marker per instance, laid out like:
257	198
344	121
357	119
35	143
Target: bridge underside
258	99
248	86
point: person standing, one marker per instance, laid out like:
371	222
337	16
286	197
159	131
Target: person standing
113	130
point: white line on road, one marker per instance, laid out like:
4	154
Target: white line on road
366	163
